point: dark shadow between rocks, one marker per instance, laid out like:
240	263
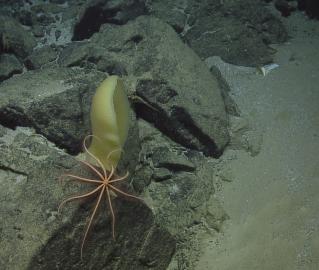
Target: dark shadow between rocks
151	105
178	118
139	244
101	12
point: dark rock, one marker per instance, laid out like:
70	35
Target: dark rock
174	88
180	197
58	1
216	215
57	34
40	57
172	12
161	174
45	19
47	8
140	243
284	7
38	31
164	158
25	17
238	31
53	101
181	200
142	178
76	53
56	103
302	4
14	38
35	236
310	6
111	66
9	65
98	12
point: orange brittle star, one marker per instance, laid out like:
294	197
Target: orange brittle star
104	183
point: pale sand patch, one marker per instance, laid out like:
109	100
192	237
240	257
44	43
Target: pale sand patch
273	202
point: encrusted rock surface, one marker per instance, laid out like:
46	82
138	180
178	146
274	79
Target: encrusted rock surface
9	65
174	88
38	99
180	124
43	239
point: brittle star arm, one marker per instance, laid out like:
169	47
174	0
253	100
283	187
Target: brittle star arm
91	219
112	212
83	179
124	193
79	197
119	179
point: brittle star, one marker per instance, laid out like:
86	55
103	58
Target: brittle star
104	184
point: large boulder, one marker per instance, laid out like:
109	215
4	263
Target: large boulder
14	38
54	101
35	236
239	31
172	87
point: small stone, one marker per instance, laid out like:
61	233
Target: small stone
40	57
9	65
215	215
226	175
38	31
161	174
163	158
238	124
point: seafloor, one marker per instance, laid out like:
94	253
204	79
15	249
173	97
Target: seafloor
272	199
222	145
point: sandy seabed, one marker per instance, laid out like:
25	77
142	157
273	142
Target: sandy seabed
273	200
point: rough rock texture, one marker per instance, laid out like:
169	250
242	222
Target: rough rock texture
9	65
173	87
237	30
243	135
14	38
168	85
97	12
38	99
178	184
179	199
42	239
41	57
310	6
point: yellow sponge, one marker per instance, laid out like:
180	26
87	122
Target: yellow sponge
109	121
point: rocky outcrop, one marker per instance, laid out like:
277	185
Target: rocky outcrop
172	86
35	236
